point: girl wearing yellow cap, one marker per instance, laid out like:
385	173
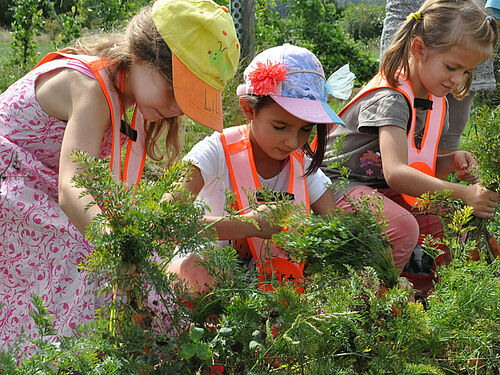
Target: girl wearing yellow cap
174	58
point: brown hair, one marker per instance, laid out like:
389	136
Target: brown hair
141	41
442	24
258	102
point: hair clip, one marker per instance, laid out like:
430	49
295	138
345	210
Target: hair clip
490	20
266	76
417	16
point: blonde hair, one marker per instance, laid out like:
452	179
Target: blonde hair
441	24
141	41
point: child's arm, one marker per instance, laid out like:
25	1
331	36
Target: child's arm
228	229
73	97
404	179
325	204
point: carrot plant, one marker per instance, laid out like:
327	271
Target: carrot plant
357	239
340	324
483	142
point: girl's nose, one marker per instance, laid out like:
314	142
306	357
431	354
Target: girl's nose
458	77
292	141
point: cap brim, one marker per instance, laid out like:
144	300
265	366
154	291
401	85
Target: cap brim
198	100
312	111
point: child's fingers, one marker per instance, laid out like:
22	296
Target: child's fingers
467	176
486	208
464	161
482	200
470	160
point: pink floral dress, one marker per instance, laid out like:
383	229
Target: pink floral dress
40	249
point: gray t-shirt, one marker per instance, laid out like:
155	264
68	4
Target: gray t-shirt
361	147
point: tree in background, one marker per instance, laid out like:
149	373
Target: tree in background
316	25
28	22
363	22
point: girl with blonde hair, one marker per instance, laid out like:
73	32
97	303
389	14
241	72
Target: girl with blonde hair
394	124
161	67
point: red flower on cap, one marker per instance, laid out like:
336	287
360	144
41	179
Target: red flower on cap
266	76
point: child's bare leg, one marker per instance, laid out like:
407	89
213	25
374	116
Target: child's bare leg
190	270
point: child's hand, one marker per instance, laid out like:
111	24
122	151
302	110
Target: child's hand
464	162
482	200
262	215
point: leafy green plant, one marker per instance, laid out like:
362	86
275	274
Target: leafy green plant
70	23
139	232
363	21
464	315
357	239
196	347
28	20
484	144
340	324
313	24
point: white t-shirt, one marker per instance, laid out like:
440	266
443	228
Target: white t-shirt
208	156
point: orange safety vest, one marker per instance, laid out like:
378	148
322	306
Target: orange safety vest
244	178
423	159
135	156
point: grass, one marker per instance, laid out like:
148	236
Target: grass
5	35
8	73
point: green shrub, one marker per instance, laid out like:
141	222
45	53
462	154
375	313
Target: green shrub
464	314
363	21
314	24
27	23
342	239
483	142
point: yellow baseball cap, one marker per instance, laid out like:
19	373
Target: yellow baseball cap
206	52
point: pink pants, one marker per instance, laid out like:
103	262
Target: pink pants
404	223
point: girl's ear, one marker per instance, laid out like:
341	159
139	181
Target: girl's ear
247	110
418	48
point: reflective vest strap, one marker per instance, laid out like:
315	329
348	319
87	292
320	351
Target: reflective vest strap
136	154
116	114
113	103
237	147
291	180
230	168
441	104
238	152
49	57
250	160
298	183
371	85
432	133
